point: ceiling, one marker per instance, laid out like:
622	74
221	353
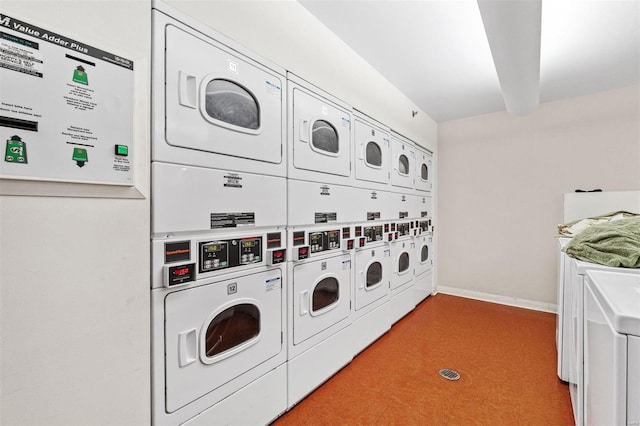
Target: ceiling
437	53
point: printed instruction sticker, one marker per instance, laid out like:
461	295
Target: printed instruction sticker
273	283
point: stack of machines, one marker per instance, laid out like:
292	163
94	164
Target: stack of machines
218	234
319	213
289	230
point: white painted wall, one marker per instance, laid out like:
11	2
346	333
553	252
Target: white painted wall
501	184
74	291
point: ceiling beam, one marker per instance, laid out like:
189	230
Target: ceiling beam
513	32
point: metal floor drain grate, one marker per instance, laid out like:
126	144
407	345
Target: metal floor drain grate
450	374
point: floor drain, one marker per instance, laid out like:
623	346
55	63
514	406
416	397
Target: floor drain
449	374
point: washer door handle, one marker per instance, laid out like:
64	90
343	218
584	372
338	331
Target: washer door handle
187	346
187	90
304	301
304	130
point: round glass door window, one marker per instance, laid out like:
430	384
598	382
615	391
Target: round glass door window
231	103
325	294
403	262
374	274
424	172
231	328
373	154
403	164
424	254
324	137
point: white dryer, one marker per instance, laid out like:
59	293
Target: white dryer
372	153
612	349
424	261
218	327
403	162
403	258
319	313
214	105
319	137
424	169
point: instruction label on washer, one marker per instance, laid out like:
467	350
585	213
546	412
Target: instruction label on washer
273	283
65	103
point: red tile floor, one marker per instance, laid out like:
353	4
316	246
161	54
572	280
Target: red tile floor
506	357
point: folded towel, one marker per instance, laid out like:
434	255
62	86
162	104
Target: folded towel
615	243
572	228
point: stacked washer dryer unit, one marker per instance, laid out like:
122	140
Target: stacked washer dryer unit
218	210
372	230
320	254
424	230
405	214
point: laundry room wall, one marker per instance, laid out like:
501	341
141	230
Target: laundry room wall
502	180
286	33
74	258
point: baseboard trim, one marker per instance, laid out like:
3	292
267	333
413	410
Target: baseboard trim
502	300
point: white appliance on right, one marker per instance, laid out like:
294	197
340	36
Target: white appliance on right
612	349
573	341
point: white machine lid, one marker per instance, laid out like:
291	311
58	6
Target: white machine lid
619	296
563	241
583	267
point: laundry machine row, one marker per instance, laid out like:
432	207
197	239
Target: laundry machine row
330	142
285	229
217	105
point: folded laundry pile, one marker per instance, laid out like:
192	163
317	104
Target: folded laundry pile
613	243
572	228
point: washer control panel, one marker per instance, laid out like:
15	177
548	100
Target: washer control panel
404	228
222	254
373	233
324	240
425	225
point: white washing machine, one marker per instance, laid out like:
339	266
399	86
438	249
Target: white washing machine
612	349
218	328
562	321
319	136
372	153
403	258
403	162
424	169
214	105
424	285
573	343
371	292
312	203
319	307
